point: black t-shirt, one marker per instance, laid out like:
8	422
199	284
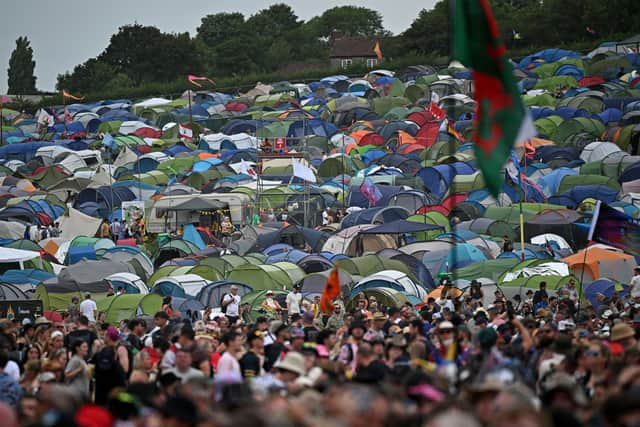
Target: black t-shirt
85	335
375	372
310	334
135	342
108	374
271	354
250	365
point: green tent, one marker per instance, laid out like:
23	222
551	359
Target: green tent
263	277
570	181
551	84
128	306
577	125
592	104
225	263
434	218
370	264
544	100
256	298
492	269
511	214
548	126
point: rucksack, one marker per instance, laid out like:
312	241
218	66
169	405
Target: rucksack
105	360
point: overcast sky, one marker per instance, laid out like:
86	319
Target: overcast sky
65	33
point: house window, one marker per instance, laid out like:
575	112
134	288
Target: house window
346	63
372	62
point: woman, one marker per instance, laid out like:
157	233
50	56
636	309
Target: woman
33	353
270	305
76	373
597	361
143	371
29	381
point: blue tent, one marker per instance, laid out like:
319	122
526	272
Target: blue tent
461	255
437	179
550	183
547	56
366	216
356	198
190	234
598	192
606	287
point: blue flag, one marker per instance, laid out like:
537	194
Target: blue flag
108	141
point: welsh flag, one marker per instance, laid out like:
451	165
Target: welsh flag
501	118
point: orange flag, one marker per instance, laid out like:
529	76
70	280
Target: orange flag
378	51
331	291
68	95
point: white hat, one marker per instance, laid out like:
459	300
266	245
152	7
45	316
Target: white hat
445	325
56	334
310	379
550	365
567	324
293	362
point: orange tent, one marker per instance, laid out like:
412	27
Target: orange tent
455	293
600	262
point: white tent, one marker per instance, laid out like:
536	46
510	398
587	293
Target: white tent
8	255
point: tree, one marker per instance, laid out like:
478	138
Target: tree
352	21
275	21
218	28
429	33
21	67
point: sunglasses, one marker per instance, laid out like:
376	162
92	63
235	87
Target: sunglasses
445	331
592	353
546	331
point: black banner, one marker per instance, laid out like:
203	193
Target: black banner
14	309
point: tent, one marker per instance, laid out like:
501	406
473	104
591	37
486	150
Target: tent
129	306
596	263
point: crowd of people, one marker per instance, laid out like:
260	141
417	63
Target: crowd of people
546	359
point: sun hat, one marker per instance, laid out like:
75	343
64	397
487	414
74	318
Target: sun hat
378	315
621	331
292	362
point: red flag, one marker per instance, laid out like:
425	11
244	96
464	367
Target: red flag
377	50
195	79
454	133
68	95
331	291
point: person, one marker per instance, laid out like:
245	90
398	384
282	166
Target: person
110	364
226	228
327	217
84	334
231	305
228	363
271	305
88	308
251	361
105	230
116	227
540	294
10	390
76	371
74	309
294	300
634	284
184	369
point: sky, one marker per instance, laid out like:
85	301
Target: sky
64	33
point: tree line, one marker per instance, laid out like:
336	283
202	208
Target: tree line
231	45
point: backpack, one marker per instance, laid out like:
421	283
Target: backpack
105	360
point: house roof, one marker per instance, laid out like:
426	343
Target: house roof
351	47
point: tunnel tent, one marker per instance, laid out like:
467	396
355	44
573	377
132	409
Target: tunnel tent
181	286
211	294
129	306
314	283
263	277
389	279
225	263
491	269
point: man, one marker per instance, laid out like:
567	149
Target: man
370	369
294	299
228	363
297	339
336	320
183	368
231	305
115	230
89	309
540	294
111	366
251	361
273	351
310	331
10	390
83	333
74	309
105	230
161	320
137	328
379	320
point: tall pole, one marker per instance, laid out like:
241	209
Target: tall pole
522	195
64	114
190	115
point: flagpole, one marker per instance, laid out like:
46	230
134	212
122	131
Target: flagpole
190	115
522	256
64	113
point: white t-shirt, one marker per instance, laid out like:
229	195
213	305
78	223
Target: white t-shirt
88	308
293	302
228	365
233	306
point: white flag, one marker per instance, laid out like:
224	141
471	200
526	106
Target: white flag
45	119
246	169
302	171
185	132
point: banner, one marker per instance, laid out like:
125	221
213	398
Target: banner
132	210
615	228
194	79
66	94
14	309
280	143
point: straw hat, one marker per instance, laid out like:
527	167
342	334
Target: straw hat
621	331
292	362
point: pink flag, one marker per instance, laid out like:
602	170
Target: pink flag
195	79
370	191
